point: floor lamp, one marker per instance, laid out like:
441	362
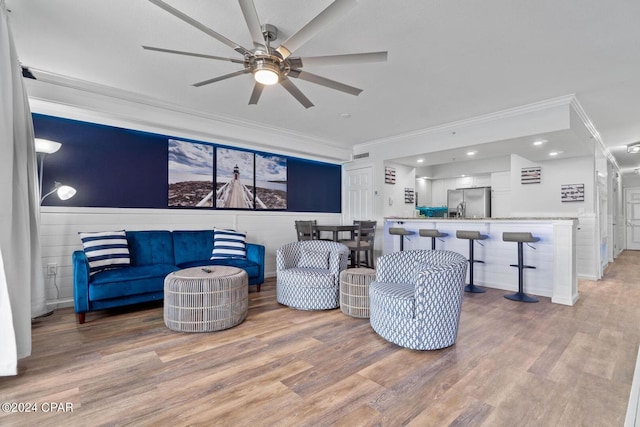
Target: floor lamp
64	192
43	148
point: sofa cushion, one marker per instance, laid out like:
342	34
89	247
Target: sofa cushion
105	250
192	245
252	268
228	244
307	278
129	281
150	247
399	298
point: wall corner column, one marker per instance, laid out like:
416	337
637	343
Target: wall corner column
565	279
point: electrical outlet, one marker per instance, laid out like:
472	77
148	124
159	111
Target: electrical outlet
52	269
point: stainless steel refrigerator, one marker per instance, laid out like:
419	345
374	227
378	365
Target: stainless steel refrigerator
469	202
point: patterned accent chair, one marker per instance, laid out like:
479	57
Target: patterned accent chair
416	298
308	274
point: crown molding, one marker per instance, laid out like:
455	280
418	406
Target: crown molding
336	153
595	135
473	121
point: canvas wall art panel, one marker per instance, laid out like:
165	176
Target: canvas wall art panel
190	176
271	182
234	179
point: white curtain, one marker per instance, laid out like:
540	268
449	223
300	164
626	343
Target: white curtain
21	276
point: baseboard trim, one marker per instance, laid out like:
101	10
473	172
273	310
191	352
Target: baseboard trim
633	409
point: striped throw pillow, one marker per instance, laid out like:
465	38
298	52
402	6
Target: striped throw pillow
105	250
228	244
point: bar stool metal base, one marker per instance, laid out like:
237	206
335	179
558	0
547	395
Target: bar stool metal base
520	238
521	297
474	289
471	236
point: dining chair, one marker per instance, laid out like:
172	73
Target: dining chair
362	241
304	230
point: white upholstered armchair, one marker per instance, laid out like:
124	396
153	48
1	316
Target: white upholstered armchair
308	274
416	298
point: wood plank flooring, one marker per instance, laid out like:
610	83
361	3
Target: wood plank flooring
514	364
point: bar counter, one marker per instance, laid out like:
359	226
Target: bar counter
554	255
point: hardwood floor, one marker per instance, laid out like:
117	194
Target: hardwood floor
514	364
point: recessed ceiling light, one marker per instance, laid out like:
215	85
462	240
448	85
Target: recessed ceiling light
420	160
542	141
471	153
633	148
463	175
554	153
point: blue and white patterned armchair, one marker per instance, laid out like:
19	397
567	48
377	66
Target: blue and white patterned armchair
308	274
416	298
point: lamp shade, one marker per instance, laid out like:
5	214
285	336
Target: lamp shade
66	192
46	146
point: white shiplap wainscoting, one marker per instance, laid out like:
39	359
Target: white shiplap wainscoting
587	248
59	229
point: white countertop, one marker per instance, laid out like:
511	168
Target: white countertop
435	218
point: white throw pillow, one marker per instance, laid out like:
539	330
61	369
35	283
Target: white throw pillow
105	250
228	244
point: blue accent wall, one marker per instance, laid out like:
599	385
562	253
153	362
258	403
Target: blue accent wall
124	168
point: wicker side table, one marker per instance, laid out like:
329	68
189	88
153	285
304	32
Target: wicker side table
354	291
205	299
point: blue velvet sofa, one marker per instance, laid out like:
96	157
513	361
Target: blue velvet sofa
153	255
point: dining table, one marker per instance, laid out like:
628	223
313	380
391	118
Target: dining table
334	229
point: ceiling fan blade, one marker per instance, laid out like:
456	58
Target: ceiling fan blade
332	13
323	81
295	92
198	55
253	22
255	95
189	20
349	58
226	76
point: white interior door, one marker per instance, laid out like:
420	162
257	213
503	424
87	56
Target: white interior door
359	195
632	217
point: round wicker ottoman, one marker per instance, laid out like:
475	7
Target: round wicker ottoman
354	291
205	299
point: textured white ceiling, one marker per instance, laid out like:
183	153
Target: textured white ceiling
449	60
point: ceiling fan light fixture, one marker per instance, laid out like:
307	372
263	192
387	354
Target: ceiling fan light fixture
266	72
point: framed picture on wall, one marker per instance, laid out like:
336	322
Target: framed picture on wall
572	192
234	179
530	175
271	182
408	195
389	175
190	178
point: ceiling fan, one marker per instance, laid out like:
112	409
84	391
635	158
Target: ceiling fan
270	65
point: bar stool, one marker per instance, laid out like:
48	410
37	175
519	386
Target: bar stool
520	238
400	231
433	233
471	236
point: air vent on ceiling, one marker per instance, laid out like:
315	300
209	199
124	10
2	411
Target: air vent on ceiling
360	156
